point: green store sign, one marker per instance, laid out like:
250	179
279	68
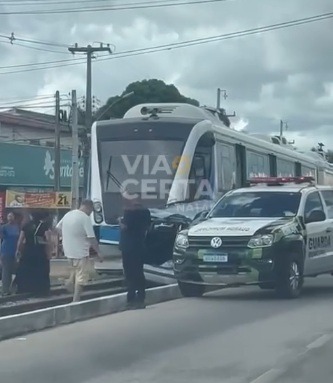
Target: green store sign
26	165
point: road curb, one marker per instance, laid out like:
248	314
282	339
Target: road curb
20	324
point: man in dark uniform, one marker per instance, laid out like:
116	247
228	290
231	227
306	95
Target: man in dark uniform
134	226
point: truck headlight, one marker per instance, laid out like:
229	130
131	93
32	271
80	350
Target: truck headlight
182	241
261	241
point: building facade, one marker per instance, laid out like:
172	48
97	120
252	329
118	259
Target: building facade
23	126
30	169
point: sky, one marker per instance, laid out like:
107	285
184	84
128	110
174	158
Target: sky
280	74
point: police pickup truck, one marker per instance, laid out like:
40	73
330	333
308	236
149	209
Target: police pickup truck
272	234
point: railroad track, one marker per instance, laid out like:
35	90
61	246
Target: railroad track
22	303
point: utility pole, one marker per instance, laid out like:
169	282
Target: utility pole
89	50
225	96
75	153
57	144
218	102
283	125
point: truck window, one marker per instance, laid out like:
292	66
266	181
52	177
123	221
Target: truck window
313	202
328	197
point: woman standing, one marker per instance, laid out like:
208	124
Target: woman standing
33	251
9	234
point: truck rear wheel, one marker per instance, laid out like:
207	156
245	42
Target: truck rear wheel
289	281
191	290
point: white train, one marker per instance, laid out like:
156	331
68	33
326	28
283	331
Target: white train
179	159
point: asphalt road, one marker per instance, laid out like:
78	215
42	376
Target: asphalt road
233	336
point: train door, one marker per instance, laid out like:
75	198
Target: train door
241	177
201	179
272	165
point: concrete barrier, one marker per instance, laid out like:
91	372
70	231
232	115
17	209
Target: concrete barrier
20	324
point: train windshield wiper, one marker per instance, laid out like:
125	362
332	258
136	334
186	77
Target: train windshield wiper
188	200
110	176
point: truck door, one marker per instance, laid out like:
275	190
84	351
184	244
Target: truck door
318	243
328	199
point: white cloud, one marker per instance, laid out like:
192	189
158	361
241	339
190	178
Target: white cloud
284	74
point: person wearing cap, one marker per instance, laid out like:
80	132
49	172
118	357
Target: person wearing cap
134	226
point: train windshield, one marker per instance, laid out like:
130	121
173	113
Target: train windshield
142	168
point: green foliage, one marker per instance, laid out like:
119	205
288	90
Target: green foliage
329	155
145	91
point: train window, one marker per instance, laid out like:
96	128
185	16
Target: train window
199	184
285	168
257	164
199	167
306	171
226	167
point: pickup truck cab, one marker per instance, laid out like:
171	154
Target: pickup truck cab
272	234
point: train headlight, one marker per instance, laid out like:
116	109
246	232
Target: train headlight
98	207
98	217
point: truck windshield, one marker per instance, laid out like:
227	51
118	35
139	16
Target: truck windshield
257	204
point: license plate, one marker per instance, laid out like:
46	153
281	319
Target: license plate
215	258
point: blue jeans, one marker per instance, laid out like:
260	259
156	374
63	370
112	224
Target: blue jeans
8	268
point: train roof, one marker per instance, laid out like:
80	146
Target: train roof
179	110
218	118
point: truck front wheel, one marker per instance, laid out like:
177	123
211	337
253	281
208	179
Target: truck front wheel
190	290
289	281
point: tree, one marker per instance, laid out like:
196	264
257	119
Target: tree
329	156
145	91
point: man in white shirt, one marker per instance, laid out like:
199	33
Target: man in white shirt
77	238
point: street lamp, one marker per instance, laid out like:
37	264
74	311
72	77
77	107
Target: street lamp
126	95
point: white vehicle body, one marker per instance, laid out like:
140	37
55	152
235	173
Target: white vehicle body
259	235
207	149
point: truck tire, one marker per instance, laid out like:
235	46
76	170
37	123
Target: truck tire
289	280
267	285
191	290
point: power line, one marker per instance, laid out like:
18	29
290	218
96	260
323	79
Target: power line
34	48
47	2
30	103
32	98
188	43
13	38
15	3
82	60
143	5
33	107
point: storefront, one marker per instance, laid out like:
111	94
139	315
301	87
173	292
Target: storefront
26	170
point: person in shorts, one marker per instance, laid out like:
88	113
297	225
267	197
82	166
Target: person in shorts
78	238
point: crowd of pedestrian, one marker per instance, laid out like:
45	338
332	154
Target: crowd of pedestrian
26	250
25	253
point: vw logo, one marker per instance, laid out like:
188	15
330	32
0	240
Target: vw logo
216	242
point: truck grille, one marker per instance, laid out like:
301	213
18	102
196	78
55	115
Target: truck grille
227	242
